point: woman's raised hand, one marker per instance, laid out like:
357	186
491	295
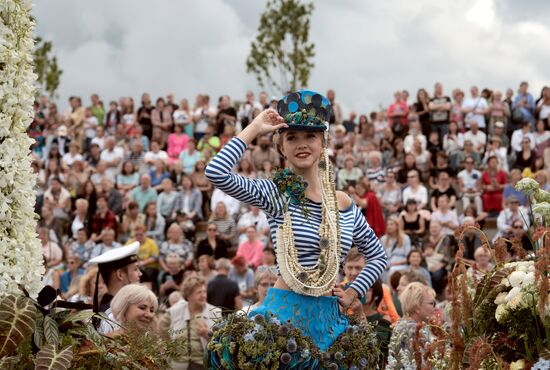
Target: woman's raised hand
266	122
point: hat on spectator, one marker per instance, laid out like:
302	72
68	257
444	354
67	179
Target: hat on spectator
112	260
305	110
239	261
499	124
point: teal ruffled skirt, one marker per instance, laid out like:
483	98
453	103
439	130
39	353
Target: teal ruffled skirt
319	318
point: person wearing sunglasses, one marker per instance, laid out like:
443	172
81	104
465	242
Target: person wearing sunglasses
266	277
418	302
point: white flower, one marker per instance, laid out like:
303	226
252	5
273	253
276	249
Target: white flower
512	294
501	312
529	279
516	277
516	301
517	365
505	282
501	298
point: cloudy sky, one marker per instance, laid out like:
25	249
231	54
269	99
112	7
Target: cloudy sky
365	50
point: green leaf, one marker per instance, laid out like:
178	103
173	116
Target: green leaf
49	358
83	316
51	330
17	318
39	331
10	362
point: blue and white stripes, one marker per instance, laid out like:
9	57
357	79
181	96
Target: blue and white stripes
263	194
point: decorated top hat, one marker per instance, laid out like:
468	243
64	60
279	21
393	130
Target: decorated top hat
305	110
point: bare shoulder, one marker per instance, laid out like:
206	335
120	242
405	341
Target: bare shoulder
344	201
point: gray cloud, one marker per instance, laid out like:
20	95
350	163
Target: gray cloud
364	49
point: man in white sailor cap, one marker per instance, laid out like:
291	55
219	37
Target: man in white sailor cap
118	267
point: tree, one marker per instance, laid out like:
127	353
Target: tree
282	49
46	66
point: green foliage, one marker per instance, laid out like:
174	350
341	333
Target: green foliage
17	316
46	67
281	55
50	358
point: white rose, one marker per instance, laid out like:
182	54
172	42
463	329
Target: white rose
516	278
505	282
529	279
515	302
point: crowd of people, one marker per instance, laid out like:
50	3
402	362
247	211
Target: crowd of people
110	175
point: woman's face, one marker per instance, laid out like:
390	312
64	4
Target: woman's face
415	259
540	126
427	307
409	160
302	149
186	182
435	229
264	284
482	259
203	264
391	227
245	165
141	314
220	210
198	296
152	209
174	233
403	282
453	128
349	163
128	167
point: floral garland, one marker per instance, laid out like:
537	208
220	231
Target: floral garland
21	262
294	186
266	343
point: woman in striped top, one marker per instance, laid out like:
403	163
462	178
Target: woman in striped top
302	149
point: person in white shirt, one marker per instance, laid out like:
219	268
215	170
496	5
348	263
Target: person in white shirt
99	138
476	136
469	185
232	205
246	110
446	217
202	115
415	190
254	217
475	108
415	132
495	149
73	155
155	154
112	156
519	134
513	212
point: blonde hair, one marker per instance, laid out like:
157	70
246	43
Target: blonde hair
399	233
129	295
190	284
413	296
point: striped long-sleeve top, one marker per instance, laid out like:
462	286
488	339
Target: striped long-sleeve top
263	193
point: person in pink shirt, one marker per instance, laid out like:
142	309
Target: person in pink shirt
252	249
177	143
398	111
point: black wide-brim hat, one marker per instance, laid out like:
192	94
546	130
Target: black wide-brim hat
305	110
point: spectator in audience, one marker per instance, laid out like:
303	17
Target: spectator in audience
58	199
475	110
519	240
227	230
398	112
523	107
409	163
439	255
252	249
246	110
246	169
166	200
442	164
137	157
390	195
493	182
422	157
148	255
471	240
171	278
477	137
81	246
265	278
415	190
158	173
68	281
422	110
519	135
526	156
418	308
134	305
81	217
264	151
397	245
223	292
510	188
112	156
156	153
373	299
368	203
189	156
162	117
511	213
209	142
499	111
336	116
407	277
270	258
482	264
453	141
443	187
103	219
107	242
254	217
130	219
446	217
349	175
154	222
412	223
189	200
226	116
244	277
207	267
201	182
175	243
144	193
52	253
494	148
213	245
375	172
191	318
415	262
469	184
440	110
415	133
